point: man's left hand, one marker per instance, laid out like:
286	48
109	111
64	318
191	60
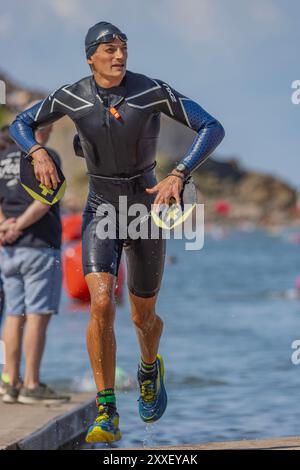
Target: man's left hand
4	226
169	187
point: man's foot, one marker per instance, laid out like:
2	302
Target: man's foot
42	394
105	427
153	399
11	394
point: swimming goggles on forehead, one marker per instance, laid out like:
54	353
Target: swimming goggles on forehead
109	37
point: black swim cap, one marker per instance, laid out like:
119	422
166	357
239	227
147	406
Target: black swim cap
100	33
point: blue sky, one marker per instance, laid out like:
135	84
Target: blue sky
236	58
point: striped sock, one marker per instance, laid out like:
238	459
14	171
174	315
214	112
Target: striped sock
148	368
106	397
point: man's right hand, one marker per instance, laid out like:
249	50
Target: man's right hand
44	168
9	232
11	235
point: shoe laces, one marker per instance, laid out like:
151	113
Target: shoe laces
148	390
104	413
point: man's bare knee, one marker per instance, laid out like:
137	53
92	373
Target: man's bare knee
103	308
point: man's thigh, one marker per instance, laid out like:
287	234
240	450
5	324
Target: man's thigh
145	265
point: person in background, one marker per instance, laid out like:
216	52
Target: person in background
30	235
4	142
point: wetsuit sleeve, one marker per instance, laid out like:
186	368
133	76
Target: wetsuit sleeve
182	109
41	114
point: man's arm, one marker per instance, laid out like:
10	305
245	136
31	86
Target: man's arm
191	114
2	219
5	225
30	216
210	133
42	113
22	131
2	216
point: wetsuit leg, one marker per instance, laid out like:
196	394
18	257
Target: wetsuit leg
98	255
145	265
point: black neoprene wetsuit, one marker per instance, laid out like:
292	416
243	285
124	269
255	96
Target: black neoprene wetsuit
121	148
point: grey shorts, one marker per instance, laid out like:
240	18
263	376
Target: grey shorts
32	280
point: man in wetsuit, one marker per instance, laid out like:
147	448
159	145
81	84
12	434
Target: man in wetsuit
117	116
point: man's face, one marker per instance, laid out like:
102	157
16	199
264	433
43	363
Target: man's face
110	59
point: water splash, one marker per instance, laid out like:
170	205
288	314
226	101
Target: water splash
148	441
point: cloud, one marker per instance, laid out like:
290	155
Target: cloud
70	12
265	12
191	20
213	21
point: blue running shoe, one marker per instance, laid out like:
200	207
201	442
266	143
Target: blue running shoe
105	427
153	399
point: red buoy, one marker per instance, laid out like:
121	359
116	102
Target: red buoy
71	227
74	281
222	207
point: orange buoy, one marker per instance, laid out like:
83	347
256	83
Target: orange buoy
71	227
74	281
